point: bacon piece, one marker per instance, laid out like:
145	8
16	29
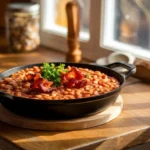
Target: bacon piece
71	83
36	83
30	76
81	83
73	79
46	89
79	75
48	83
74	73
41	85
46	86
43	88
37	76
33	76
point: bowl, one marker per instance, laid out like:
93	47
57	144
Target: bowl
121	56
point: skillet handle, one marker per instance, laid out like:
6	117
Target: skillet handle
131	68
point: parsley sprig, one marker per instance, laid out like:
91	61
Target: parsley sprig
53	73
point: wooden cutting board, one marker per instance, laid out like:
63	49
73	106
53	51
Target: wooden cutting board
60	125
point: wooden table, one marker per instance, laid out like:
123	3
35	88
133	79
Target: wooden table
131	128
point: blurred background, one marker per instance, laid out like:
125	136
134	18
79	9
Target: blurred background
116	25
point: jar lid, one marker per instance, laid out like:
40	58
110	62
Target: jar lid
23	7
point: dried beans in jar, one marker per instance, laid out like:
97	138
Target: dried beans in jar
22	20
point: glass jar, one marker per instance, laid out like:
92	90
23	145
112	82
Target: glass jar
22	24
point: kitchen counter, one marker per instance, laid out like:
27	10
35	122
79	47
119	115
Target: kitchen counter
130	128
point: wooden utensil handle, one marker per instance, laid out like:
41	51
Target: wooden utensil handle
73	19
74	53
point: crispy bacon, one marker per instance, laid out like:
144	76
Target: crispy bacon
73	79
30	76
81	83
41	85
74	73
37	76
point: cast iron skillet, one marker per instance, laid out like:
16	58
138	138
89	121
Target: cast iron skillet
56	109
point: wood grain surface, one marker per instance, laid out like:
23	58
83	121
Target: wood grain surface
130	128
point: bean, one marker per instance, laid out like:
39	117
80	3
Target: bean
9	87
95	81
14	83
18	94
95	76
24	90
77	92
96	93
105	80
27	85
31	69
88	80
91	91
48	98
36	69
98	73
78	95
68	90
54	97
64	92
96	86
70	96
27	69
2	85
86	95
31	72
87	88
8	79
38	96
65	97
44	96
71	92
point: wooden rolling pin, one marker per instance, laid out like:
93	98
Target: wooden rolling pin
74	53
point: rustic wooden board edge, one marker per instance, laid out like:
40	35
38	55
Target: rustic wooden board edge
66	125
10	146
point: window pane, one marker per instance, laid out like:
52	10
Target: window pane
126	26
132	22
60	13
55	18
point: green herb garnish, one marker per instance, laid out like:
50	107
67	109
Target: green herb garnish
88	75
53	73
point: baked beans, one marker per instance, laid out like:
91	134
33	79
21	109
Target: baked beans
97	83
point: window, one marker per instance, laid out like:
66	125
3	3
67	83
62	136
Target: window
107	25
127	26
